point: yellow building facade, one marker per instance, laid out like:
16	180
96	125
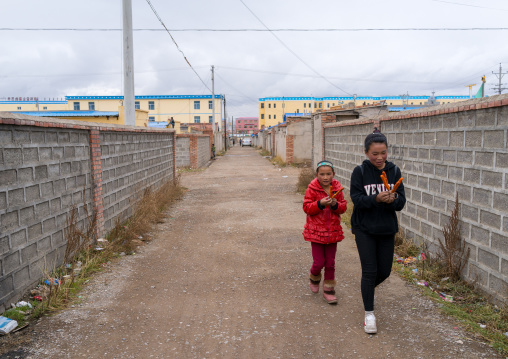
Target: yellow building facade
273	109
182	108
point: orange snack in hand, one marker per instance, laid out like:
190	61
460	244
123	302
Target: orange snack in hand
397	185
336	193
385	181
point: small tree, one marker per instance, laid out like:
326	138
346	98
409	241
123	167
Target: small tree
453	252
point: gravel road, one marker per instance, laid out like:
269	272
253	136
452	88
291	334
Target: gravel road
226	276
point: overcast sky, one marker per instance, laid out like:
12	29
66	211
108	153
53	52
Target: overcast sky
250	65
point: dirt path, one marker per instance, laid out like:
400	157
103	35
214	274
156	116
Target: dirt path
226	277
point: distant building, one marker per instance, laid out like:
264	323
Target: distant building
160	108
273	109
246	125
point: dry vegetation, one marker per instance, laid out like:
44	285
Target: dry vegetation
85	256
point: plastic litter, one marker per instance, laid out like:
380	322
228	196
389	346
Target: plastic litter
52	281
483	326
422	283
38	297
414	270
409	260
506	334
98	248
7	325
23	304
445	279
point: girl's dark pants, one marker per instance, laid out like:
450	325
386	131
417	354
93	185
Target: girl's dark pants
376	256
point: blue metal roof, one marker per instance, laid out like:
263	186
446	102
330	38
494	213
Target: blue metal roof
157	124
350	98
69	113
397	109
155	97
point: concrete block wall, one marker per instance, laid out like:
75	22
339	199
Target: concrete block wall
203	148
132	162
193	150
457	148
43	173
47	166
183	152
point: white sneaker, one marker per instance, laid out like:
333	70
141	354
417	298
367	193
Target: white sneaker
370	324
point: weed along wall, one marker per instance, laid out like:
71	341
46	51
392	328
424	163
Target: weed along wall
441	151
48	167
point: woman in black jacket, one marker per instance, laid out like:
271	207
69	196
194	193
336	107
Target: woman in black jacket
374	222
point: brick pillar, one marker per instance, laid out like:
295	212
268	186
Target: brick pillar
194	151
95	160
174	155
273	143
323	140
289	148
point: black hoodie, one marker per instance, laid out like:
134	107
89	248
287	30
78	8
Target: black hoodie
370	216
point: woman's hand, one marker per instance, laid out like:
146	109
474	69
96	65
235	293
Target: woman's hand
386	197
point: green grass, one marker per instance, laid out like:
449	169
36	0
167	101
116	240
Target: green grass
470	307
19	314
264	153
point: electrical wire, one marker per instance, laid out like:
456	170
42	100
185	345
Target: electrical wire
169	33
268	30
461	4
233	88
294	53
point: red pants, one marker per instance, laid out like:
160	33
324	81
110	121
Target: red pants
324	256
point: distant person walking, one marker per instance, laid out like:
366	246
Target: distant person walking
376	130
240	142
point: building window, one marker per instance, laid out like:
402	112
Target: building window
320	105
304	105
310	105
151	118
269	105
91	106
274	117
391	103
269	117
333	104
151	105
274	105
76	106
197	105
210	119
262	105
297	110
19	107
328	105
197	119
136	105
420	103
262	116
210	105
411	103
315	104
45	108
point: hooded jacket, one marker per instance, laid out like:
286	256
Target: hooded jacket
370	216
323	223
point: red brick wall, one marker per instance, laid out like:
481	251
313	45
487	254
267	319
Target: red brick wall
289	148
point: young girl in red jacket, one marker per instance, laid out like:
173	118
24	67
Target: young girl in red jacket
323	227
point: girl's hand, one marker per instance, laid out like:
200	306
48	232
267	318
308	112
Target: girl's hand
326	201
334	202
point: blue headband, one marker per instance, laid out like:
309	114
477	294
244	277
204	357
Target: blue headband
324	163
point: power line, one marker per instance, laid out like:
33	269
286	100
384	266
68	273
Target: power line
233	88
461	4
294	53
266	30
164	25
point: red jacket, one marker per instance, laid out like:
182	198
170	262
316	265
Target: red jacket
323	225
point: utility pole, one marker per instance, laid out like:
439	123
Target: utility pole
500	75
225	126
128	65
213	101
